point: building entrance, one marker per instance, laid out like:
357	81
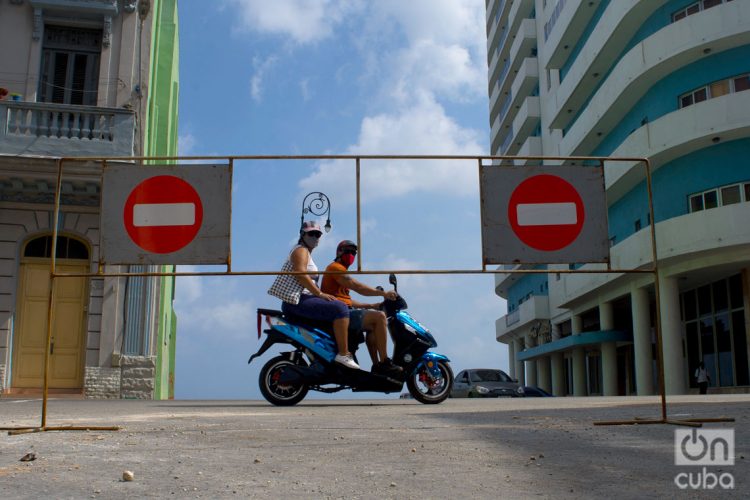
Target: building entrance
67	349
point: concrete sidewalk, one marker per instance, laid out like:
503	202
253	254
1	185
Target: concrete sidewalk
463	448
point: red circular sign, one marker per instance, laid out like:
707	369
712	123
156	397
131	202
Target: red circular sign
163	214
546	212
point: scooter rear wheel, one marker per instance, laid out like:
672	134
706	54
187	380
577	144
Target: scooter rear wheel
276	392
429	390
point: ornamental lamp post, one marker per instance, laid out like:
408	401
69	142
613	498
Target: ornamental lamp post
317	203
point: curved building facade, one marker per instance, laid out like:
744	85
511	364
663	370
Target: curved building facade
663	79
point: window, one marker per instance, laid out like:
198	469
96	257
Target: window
713	319
67	248
70	65
715	89
711	199
724	195
741	83
553	18
695	8
719	88
730	195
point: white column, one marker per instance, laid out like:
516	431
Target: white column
512	359
557	367
671	332
579	361
519	364
609	350
640	310
531	365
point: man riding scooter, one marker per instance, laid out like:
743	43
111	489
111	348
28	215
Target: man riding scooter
362	316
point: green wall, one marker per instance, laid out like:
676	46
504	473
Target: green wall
160	139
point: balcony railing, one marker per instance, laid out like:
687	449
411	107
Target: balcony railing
513	317
65	130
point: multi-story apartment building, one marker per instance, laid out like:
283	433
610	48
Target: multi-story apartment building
663	79
81	78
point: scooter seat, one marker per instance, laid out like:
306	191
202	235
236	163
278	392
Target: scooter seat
325	326
274	313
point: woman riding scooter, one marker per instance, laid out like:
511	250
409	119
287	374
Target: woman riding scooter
301	295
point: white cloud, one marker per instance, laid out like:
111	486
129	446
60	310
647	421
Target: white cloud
262	66
444	51
185	144
422	129
445	20
228	319
217	313
446	70
189	288
304	21
304	87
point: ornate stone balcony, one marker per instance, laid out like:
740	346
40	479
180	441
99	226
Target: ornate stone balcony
60	130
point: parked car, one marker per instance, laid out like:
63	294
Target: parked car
533	392
484	383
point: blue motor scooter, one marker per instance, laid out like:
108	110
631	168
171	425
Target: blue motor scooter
286	379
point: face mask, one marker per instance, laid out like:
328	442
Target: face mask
310	242
347	259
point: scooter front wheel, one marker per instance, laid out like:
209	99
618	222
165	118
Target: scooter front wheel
428	388
274	389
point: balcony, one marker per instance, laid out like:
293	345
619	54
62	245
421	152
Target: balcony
722	241
677	134
522	49
527	78
495	22
568	24
503	281
531	147
519	11
536	308
527	119
618	24
659	55
60	130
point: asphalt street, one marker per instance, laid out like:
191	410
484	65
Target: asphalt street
325	448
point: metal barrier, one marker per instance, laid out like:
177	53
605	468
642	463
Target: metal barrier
358	159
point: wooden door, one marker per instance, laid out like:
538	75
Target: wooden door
68	331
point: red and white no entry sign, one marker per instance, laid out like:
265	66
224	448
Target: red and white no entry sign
163	214
546	212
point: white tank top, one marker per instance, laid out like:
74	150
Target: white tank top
311	267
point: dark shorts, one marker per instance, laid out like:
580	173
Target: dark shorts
313	307
356	316
356	336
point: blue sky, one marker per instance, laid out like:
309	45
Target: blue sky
315	77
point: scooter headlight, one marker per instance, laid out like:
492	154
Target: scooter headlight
407	358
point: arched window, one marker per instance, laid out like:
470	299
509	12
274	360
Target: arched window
67	248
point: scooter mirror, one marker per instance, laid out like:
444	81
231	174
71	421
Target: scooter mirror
393	281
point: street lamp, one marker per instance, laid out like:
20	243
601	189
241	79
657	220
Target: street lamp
319	204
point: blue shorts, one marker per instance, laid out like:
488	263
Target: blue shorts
356	316
313	307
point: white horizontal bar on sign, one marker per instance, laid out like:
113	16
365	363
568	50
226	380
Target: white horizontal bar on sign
546	214
164	214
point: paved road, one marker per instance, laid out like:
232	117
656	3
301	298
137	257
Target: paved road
463	448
